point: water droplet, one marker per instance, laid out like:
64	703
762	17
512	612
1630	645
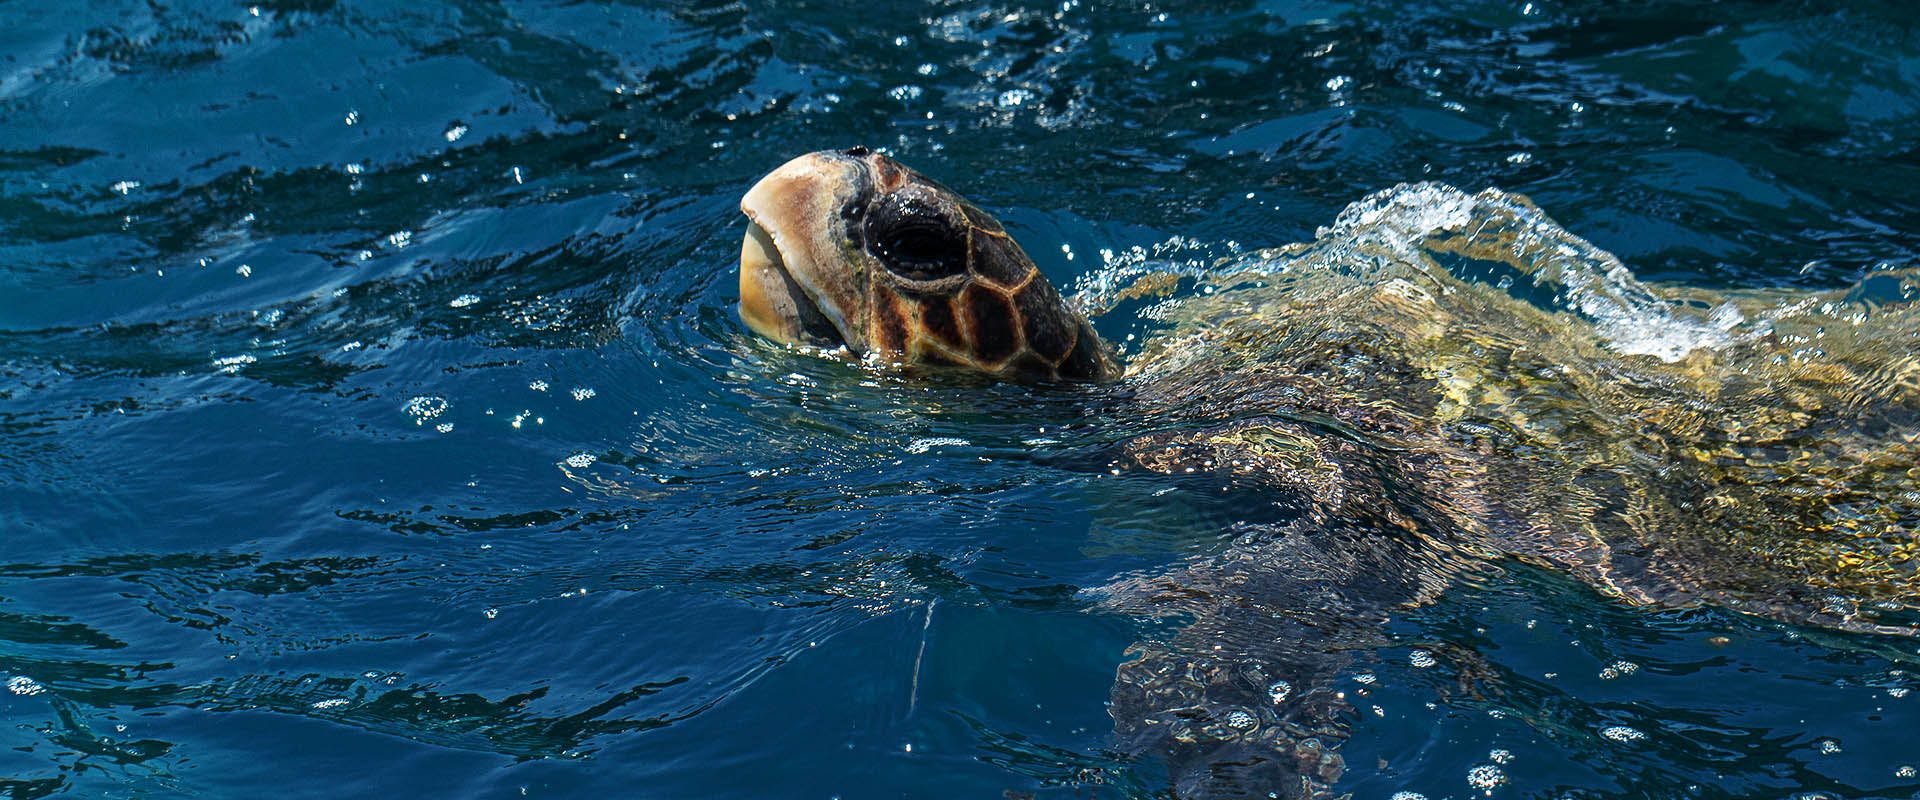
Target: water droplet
1500	756
244	271
455	131
538	386
353	117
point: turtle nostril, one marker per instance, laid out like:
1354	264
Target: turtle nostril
857	151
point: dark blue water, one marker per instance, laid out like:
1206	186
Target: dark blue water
374	419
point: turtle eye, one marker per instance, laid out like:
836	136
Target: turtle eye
915	241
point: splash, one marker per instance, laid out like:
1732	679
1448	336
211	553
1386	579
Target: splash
1440	232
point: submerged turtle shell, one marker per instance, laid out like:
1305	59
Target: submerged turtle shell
1398	424
1765	462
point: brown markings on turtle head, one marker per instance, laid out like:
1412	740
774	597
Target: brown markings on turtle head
1051	329
889	322
992	328
997	259
943	282
939	324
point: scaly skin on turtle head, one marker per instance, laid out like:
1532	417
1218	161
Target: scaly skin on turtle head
852	248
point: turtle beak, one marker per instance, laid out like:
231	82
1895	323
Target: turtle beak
799	280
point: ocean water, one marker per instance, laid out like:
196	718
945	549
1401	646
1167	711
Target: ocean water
375	421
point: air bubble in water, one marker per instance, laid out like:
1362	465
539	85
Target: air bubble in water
1622	733
1279	691
919	446
1486	778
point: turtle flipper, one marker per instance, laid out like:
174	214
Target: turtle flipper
1242	701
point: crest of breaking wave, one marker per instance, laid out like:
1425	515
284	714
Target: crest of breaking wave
1414	228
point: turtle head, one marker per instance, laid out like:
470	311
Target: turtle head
852	248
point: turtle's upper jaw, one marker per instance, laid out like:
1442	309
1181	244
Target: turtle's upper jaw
796	284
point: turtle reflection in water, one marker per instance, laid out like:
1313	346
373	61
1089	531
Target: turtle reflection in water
1756	451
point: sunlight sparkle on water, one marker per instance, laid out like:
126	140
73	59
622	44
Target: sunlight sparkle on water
919	446
232	365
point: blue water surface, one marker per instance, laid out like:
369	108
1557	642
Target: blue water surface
375	421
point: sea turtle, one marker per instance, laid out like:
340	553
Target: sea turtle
1409	424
